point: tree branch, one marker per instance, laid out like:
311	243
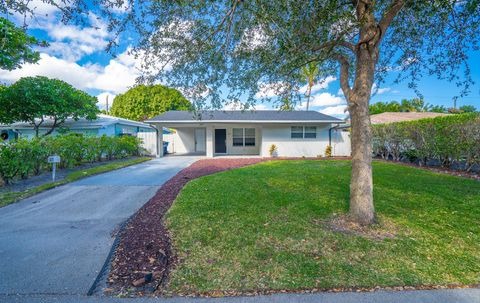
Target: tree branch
332	44
54	125
344	74
388	17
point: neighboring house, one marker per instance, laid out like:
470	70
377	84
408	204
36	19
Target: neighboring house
103	125
390	117
211	133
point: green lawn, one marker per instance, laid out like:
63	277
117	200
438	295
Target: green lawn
262	227
11	197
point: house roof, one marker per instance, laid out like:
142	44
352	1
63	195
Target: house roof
390	117
82	123
266	116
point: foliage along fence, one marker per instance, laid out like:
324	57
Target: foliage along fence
450	141
22	158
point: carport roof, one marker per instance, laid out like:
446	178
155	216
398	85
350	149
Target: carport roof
266	116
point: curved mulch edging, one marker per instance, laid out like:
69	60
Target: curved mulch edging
144	250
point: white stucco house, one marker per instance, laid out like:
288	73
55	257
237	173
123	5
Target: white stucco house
215	133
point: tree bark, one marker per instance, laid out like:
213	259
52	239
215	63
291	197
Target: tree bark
361	184
309	94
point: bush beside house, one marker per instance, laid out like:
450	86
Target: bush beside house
22	158
451	141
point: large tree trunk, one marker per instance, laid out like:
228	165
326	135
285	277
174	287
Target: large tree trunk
361	184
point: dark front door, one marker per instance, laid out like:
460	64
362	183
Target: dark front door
220	141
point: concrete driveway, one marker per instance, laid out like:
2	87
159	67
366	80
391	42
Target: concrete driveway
56	242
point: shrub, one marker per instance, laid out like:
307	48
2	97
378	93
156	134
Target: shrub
273	150
446	139
10	162
328	151
22	157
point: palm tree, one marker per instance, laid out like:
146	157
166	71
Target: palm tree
310	72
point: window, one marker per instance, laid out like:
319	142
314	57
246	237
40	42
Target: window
238	137
249	136
243	137
297	132
304	132
310	132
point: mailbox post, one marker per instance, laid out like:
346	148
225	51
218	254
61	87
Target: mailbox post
54	160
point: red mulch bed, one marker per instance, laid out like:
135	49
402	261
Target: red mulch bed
144	249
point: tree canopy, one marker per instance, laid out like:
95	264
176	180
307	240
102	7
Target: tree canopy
416	105
413	105
146	101
32	99
468	108
16	46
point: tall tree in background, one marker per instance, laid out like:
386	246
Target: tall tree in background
33	99
310	73
16	46
468	108
235	47
143	102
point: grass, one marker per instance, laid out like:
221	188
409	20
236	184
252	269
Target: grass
262	228
11	197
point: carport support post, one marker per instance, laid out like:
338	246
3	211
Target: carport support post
159	140
210	141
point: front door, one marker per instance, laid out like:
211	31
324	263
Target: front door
220	141
200	139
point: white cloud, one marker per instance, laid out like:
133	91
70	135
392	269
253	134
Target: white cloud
116	77
73	42
261	107
323	99
269	90
378	90
338	111
103	98
375	90
322	84
237	105
252	39
43	11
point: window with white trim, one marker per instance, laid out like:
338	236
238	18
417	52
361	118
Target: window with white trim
243	137
310	132
238	137
303	132
297	132
249	136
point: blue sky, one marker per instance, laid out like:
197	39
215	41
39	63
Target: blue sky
77	56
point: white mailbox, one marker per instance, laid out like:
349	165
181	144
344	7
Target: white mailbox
54	159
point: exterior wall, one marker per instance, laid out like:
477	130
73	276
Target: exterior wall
341	143
30	133
110	130
240	150
11	134
122	129
280	135
182	141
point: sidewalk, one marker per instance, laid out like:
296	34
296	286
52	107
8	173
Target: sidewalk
417	296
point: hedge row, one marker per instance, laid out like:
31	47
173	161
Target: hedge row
22	158
446	140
